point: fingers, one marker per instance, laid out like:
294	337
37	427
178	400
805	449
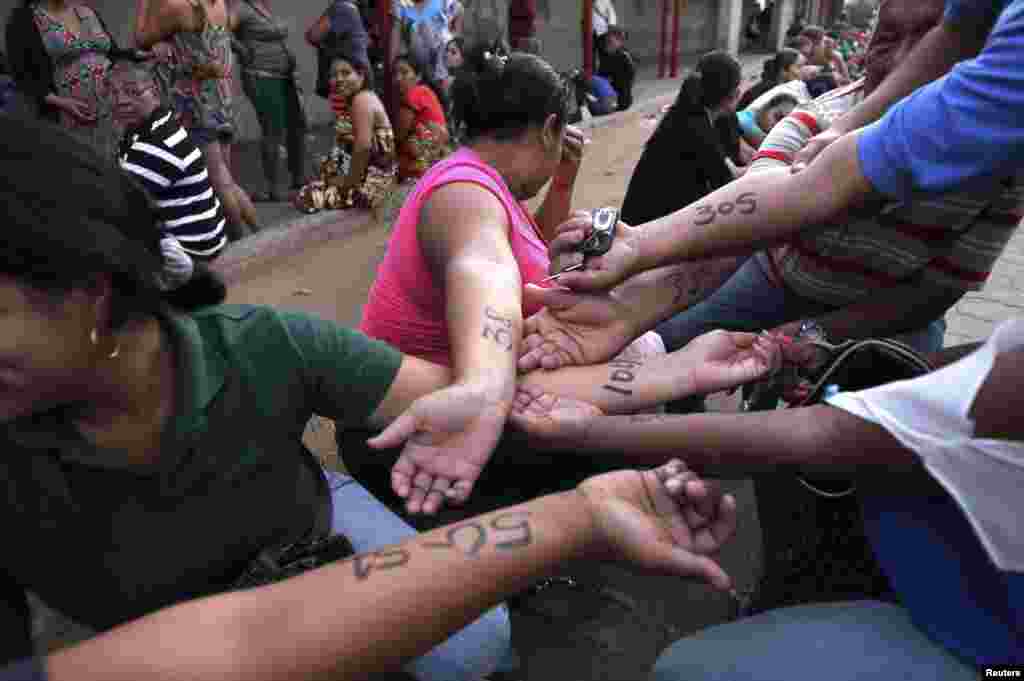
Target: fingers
563	249
438	493
399	430
422	485
556	297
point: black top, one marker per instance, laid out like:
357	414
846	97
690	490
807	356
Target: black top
620	71
29	62
682	162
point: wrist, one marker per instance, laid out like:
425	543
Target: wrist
593	544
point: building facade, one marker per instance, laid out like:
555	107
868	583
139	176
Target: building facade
704	25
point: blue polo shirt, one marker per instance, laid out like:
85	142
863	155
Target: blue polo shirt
964	128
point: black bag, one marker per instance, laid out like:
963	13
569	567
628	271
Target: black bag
273	565
814	545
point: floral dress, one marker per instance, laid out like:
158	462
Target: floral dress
81	66
197	77
381	171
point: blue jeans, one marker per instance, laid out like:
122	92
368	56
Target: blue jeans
849	641
749	301
469	654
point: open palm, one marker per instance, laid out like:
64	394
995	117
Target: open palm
719	360
449	437
573	329
557	421
665	520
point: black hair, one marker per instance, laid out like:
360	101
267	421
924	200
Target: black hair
773	68
779	99
460	43
426	77
715	78
363	67
813	33
500	97
71	216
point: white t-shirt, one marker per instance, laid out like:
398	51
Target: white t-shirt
930	416
797	88
604	16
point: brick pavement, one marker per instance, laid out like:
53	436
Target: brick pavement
974	317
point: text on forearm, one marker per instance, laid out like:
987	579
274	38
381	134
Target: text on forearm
498	328
504	531
623	371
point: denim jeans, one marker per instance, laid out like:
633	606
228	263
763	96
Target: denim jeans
467	655
749	301
849	641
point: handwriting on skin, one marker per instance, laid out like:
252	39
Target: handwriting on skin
504	531
623	371
745	204
498	328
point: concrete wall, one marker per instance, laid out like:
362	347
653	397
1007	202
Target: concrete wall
559	31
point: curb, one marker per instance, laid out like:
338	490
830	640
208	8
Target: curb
288	238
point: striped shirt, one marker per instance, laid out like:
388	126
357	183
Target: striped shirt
162	157
950	241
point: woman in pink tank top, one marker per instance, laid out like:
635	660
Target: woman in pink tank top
463	245
450	290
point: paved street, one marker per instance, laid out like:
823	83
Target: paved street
614	629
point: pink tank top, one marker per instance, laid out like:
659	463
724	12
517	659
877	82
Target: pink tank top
406	307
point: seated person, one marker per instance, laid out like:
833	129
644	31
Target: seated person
146	426
159	153
421	131
617	66
362	168
683	160
940	463
756	123
602	99
820	54
787	65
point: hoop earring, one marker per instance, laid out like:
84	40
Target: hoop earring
94	338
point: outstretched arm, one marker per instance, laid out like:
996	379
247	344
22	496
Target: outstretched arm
378	610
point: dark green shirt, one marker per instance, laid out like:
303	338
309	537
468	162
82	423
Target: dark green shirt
104	542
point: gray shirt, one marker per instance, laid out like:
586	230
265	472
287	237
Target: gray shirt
262	38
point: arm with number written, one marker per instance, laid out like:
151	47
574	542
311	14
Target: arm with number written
372	613
463	235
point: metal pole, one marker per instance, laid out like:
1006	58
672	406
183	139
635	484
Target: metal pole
663	40
588	39
385	25
676	18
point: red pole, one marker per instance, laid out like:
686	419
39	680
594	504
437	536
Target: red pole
663	40
588	39
384	28
677	11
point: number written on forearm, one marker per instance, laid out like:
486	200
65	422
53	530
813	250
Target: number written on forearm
745	204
